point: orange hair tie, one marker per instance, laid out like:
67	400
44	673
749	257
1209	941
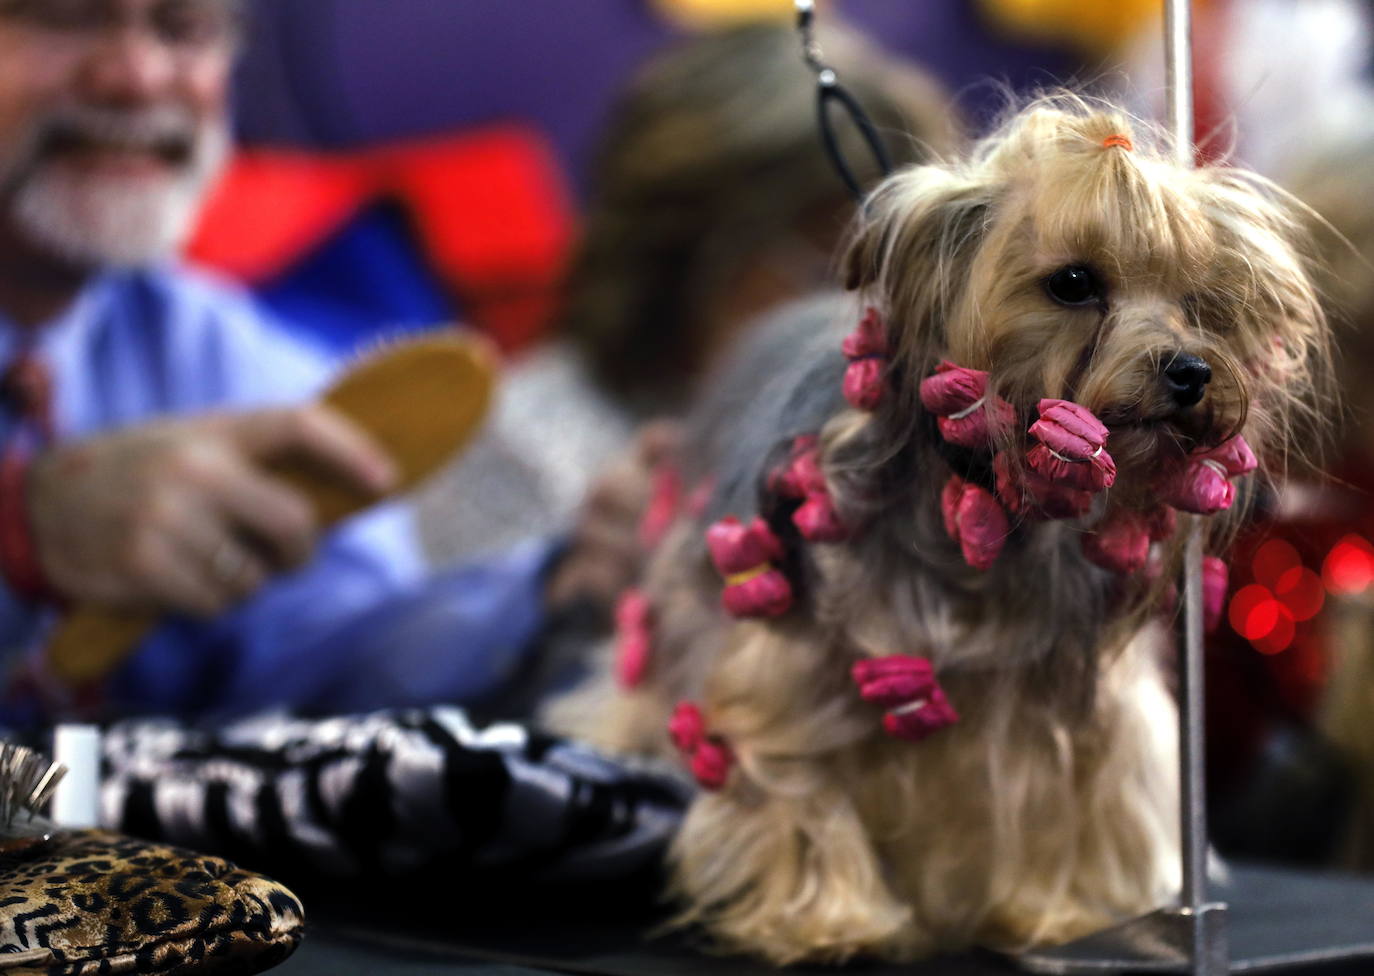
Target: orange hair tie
1117	140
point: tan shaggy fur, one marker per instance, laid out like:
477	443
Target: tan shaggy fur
1049	809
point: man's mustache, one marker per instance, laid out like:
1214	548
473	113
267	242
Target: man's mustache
170	132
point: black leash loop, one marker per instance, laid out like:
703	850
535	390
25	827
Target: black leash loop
830	93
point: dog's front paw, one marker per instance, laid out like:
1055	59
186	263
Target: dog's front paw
836	935
789	880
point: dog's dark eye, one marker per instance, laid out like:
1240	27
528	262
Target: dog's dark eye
1074	285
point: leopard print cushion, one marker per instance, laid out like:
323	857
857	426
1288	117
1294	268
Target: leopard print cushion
95	902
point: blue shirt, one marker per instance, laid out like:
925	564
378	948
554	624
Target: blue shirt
135	345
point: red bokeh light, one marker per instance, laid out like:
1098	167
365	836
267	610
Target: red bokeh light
1349	566
1300	591
1273	560
1254	611
1280	635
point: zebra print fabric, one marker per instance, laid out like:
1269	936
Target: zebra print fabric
390	792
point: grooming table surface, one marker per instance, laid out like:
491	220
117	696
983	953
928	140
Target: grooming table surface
326	951
357	935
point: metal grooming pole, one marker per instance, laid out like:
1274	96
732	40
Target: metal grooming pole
1204	920
1190	937
1280	918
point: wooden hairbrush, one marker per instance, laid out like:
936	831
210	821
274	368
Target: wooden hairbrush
420	399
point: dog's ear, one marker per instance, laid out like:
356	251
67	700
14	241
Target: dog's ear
868	239
922	217
860	263
912	248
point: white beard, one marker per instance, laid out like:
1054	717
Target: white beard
91	220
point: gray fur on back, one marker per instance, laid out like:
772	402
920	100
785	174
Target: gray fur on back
783	379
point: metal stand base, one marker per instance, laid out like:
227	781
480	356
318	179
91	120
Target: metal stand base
1165	941
1274	919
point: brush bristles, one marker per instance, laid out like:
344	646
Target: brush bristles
27	782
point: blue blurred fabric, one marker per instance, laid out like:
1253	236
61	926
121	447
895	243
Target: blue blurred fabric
369	278
363	622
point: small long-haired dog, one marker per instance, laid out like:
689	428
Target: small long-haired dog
907	644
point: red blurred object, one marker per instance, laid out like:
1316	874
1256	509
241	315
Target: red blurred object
687	726
974	519
1280	635
1216	579
744	555
711	764
1161	522
1028	494
1202	482
1254	611
1349	566
708	756
665	502
866	350
818	521
958	397
1268	664
490	209
1121	544
906	686
894	679
1072	448
816	518
634	637
1272	560
1300	591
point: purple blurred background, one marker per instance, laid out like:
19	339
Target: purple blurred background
343	73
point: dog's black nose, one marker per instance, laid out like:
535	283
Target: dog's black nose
1186	378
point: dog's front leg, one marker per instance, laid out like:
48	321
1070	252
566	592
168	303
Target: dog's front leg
1112	851
790	877
779	862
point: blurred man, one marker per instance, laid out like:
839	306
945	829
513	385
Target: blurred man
113	120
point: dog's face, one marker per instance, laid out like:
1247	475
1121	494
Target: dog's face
1173	303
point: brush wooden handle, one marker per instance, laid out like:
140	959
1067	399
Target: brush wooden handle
421	400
